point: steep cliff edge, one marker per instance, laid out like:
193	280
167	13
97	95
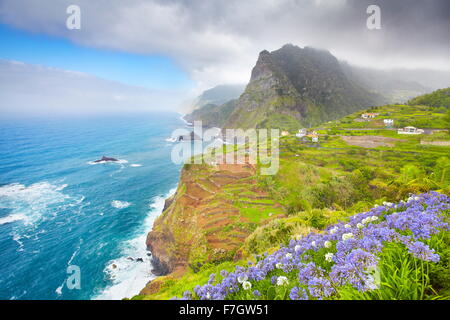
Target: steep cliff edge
208	219
227	215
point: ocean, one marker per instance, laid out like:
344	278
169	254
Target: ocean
58	208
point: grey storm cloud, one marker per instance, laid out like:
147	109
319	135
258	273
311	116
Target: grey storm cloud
33	90
218	41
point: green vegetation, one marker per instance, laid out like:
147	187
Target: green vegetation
291	88
212	115
283	121
437	99
419	116
318	185
170	287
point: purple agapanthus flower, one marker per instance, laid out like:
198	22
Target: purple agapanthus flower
357	244
298	294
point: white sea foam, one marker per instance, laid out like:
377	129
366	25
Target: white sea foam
17	238
12	218
120	204
135	165
171	139
33	202
31	205
128	276
58	290
185	121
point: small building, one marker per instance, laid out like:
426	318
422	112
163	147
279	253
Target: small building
388	122
301	133
369	115
410	130
284	133
314	137
304	135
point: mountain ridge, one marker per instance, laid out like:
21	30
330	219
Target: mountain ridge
293	87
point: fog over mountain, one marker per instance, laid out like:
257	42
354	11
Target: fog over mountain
217	42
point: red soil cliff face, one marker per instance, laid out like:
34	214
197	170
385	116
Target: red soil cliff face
199	223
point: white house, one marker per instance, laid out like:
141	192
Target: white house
410	130
388	122
301	133
314	137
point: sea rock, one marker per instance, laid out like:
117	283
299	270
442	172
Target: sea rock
103	159
189	137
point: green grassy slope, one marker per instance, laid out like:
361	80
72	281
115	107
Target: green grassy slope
322	183
437	99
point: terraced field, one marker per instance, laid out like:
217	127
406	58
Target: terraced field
224	215
212	213
403	115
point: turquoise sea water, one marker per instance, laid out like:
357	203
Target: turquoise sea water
57	208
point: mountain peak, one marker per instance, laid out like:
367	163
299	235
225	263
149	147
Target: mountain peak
294	87
297	87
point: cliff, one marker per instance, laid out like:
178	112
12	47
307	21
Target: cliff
208	219
290	88
226	215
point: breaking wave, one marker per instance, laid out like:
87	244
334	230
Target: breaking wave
128	273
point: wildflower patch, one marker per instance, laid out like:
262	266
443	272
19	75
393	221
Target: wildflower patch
359	257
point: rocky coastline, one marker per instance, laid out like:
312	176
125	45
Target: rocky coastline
191	229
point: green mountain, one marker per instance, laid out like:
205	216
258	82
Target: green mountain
438	99
291	88
212	115
218	95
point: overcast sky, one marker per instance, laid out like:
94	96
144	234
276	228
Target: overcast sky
214	42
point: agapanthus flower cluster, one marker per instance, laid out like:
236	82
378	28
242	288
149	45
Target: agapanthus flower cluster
351	250
298	294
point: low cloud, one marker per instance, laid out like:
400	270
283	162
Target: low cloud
218	41
37	90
